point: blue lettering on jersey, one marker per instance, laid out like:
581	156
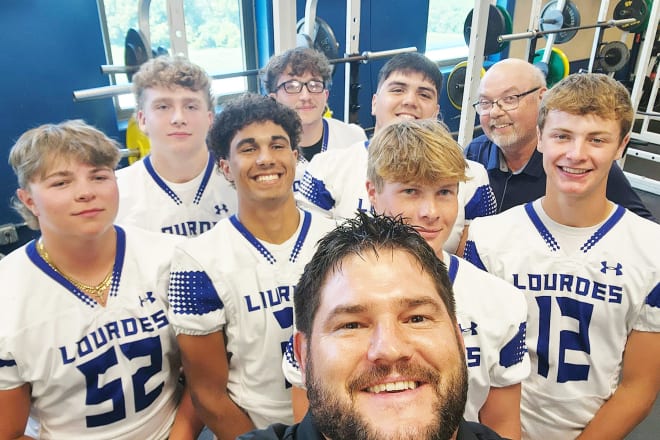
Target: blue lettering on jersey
188	229
569	284
473	355
98	338
109	394
360	206
270	298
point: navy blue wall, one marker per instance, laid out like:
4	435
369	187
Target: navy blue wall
50	49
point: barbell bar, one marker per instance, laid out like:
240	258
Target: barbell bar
536	34
120	89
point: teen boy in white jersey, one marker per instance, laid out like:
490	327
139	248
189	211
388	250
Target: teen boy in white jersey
300	78
177	188
414	170
232	288
588	269
409	87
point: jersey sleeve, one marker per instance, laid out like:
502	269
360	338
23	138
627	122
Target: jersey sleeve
195	305
315	193
514	363
649	318
10	376
479	197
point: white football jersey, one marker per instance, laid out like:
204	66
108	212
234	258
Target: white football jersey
334	184
336	134
492	317
95	372
146	200
229	280
586	290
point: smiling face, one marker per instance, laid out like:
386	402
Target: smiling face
175	119
430	208
73	198
578	151
511	130
384	359
261	164
404	95
309	106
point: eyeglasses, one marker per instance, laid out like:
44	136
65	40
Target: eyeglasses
294	86
505	103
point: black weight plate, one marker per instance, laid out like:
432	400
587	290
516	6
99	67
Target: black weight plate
135	51
637	9
496	26
613	56
571	18
325	40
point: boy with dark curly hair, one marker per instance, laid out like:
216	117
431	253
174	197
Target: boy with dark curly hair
232	287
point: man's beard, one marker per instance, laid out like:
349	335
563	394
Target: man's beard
341	421
506	141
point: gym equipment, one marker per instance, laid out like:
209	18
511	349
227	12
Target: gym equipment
499	22
612	56
323	38
456	84
553	20
137	143
637	9
556	69
536	34
135	52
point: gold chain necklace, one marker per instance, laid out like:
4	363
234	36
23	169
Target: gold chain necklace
97	292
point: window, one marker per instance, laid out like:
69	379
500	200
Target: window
445	42
220	38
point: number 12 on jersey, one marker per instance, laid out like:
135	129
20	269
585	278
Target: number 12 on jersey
568	339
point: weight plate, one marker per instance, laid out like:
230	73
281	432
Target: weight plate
456	84
557	68
135	50
550	20
496	26
325	40
637	9
613	56
508	20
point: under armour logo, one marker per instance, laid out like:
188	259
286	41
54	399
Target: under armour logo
219	209
616	269
150	298
472	329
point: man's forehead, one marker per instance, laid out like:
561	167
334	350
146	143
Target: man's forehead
410	76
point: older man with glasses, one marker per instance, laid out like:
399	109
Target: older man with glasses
509	97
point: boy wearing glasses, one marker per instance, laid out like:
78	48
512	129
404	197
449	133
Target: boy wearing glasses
583	264
509	96
300	78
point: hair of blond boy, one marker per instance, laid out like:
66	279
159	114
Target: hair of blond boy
37	150
171	72
421	152
589	94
